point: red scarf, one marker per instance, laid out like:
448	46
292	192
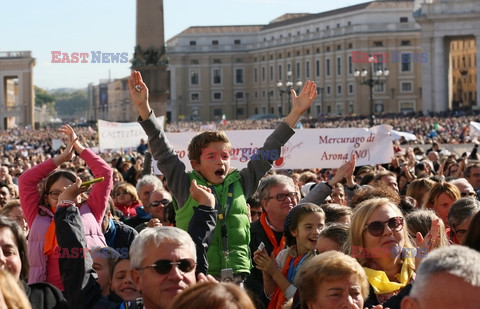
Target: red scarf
271	236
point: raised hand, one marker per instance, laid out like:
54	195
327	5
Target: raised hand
301	102
68	152
306	97
203	195
139	94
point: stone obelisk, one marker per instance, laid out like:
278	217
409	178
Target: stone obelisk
149	57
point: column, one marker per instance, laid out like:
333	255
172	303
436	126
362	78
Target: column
477	68
427	75
440	88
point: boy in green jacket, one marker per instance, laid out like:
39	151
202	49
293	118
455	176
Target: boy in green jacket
210	159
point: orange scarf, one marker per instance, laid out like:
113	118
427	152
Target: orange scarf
271	236
50	237
278	298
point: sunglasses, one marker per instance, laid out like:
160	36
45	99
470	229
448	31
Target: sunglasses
464	194
376	228
158	203
163	267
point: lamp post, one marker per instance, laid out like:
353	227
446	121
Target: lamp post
289	85
367	78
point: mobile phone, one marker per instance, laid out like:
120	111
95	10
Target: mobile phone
261	246
87	183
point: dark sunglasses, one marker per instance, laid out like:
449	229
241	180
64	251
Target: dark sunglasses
163	267
163	202
464	194
376	228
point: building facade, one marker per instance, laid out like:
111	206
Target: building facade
235	70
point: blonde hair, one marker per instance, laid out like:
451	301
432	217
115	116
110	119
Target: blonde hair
13	295
439	188
359	220
421	220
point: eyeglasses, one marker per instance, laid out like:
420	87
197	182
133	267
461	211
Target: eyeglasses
54	194
163	202
376	228
255	213
464	194
282	196
163	267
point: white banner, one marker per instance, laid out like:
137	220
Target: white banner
308	148
474	129
116	135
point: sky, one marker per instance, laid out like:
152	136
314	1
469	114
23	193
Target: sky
108	26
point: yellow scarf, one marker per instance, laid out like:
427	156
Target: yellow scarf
381	284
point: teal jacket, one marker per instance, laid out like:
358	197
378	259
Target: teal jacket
245	184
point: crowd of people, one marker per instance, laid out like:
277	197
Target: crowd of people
399	235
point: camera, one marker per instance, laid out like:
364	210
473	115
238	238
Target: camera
226	275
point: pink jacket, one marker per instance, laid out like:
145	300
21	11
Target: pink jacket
39	218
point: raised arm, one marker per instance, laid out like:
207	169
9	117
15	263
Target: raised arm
301	102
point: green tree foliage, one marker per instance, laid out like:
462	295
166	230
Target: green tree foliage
69	102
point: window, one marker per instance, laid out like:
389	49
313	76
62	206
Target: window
339	66
307	69
298	70
404	19
350	88
407	107
239	76
217	61
407	86
193	43
238	60
215	42
271	73
194	61
328	90
255	75
317	68
339	89
327	67
217	112
194	78
194	96
263	74
350	65
217	96
378	43
379	88
217	76
237	42
406	65
280	72
239	95
406	43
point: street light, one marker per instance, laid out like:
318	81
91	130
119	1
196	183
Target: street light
289	85
370	81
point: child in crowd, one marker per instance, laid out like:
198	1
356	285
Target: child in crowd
302	229
209	154
39	207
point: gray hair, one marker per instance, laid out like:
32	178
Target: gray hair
157	236
458	261
461	210
270	181
149	180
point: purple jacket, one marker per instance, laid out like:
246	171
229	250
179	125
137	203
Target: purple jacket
39	217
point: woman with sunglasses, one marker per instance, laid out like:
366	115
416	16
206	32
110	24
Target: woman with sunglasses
378	239
40	207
